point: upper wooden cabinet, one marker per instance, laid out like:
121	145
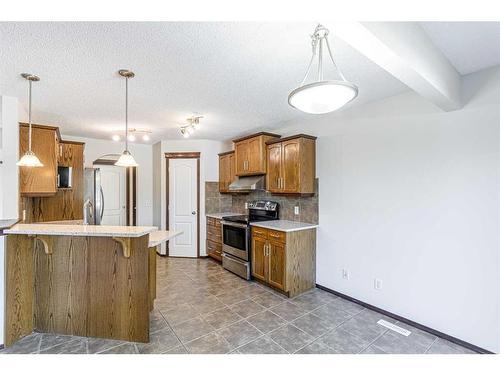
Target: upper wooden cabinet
39	181
250	154
291	165
226	171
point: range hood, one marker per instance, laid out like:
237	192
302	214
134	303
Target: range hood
248	183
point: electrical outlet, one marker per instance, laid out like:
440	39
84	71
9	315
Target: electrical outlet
377	284
296	210
345	274
24	215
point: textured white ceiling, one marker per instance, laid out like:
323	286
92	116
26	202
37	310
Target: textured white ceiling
238	75
469	46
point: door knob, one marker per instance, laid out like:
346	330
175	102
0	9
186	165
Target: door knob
194	212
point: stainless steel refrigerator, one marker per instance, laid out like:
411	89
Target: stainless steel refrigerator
93	192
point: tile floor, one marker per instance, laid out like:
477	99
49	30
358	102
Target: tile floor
201	308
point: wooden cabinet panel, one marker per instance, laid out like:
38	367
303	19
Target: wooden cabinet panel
259	258
290	166
277	264
214	250
214	238
226	171
241	157
273	167
255	160
285	261
232	169
40	181
250	154
222	173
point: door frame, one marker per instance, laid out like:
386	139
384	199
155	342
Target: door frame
131	173
183	155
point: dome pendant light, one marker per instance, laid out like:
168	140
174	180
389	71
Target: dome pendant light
126	159
29	159
322	96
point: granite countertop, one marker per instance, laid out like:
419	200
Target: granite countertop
158	237
220	215
80	230
7	223
284	225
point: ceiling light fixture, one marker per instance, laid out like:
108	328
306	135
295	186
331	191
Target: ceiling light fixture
146	137
189	129
322	96
115	137
126	159
29	159
131	138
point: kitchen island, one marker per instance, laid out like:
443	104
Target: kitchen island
83	280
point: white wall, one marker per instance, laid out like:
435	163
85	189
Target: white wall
9	188
410	194
209	171
143	154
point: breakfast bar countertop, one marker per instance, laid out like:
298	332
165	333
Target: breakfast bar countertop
158	237
79	230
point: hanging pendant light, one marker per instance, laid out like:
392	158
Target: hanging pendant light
29	159
322	96
126	159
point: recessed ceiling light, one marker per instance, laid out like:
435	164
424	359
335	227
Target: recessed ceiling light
116	137
131	137
145	137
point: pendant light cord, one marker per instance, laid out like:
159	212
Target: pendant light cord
29	117
317	39
126	113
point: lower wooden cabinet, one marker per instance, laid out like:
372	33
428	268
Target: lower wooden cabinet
214	238
285	260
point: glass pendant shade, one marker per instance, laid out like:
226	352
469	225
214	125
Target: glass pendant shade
126	160
322	97
29	159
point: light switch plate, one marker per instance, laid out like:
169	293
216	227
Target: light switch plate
296	210
246	205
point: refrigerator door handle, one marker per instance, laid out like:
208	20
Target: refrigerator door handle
102	203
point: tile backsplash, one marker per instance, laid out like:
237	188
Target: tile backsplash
308	206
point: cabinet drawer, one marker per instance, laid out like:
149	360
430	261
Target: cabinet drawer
214	233
213	222
213	247
259	232
277	235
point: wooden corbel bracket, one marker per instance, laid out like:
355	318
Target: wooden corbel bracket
126	245
47	241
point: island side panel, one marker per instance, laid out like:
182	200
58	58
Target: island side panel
300	261
19	288
152	277
61	286
118	290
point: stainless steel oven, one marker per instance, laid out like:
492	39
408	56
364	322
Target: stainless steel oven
236	239
236	236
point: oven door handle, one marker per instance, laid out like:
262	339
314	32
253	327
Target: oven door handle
231	224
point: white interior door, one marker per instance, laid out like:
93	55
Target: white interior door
183	214
113	182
